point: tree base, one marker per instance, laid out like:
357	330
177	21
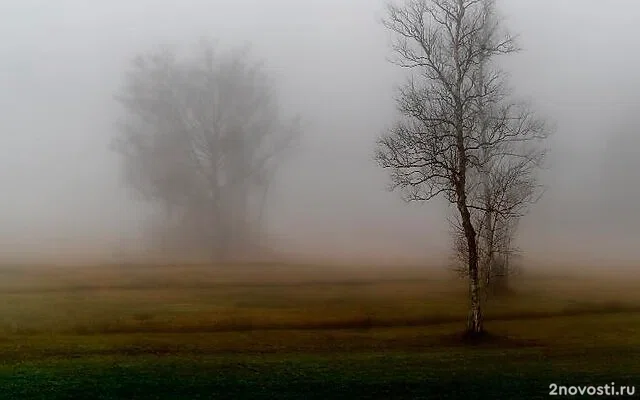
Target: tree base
473	337
485	339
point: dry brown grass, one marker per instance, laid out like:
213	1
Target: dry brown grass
159	331
198	298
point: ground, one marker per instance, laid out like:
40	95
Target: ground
306	331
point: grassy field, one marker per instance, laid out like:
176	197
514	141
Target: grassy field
273	331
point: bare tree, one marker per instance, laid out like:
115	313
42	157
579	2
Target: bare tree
496	219
201	137
458	123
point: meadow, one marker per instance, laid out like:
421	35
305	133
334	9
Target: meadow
307	331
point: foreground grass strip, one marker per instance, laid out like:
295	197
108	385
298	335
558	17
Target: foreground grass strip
444	374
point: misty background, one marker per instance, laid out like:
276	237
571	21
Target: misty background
62	62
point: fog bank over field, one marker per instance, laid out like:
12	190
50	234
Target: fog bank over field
61	63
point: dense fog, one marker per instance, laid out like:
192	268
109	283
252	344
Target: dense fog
64	197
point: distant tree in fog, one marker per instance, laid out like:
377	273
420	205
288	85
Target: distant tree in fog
460	135
201	137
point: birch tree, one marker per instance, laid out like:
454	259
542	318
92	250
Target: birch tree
459	131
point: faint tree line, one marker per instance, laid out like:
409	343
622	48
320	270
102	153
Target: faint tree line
201	137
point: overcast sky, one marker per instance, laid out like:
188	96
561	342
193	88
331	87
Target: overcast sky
62	61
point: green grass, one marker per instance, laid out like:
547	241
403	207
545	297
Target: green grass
450	373
181	332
